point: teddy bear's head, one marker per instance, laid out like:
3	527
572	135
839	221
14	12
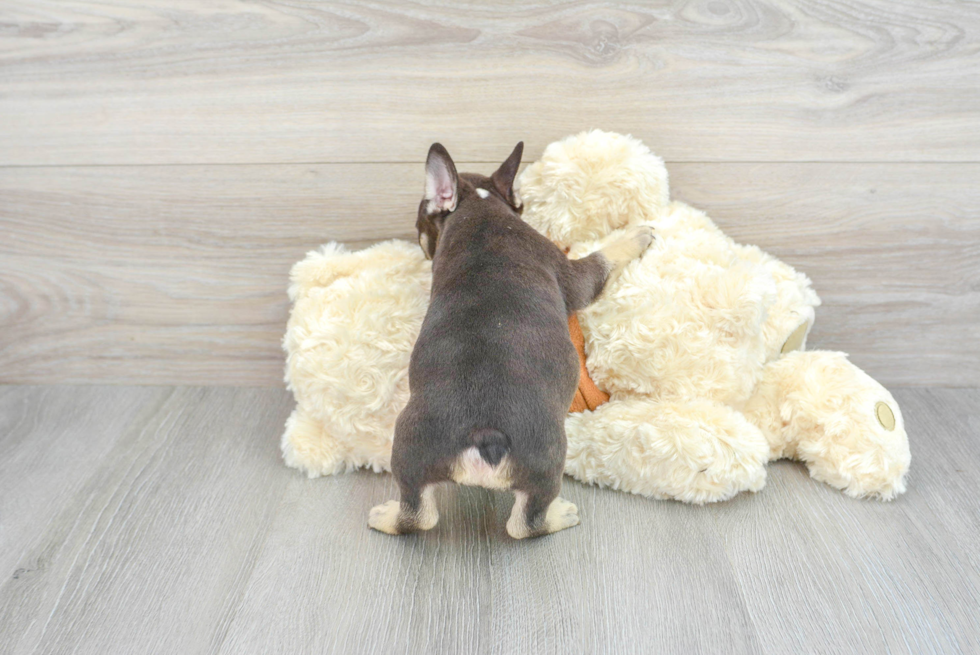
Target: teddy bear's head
589	184
697	314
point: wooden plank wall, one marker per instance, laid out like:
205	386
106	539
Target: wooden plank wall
163	163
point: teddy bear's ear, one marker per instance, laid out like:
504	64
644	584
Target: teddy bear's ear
503	177
441	181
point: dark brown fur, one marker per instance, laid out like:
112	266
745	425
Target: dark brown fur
493	367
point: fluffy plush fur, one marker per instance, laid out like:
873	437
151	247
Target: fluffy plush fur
354	321
586	186
699	344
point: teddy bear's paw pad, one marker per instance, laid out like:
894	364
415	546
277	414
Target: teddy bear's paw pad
629	246
885	415
795	340
384	517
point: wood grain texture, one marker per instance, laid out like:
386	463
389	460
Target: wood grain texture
150	555
892	250
189	535
643	579
230	81
466	587
177	274
50	442
171	274
326	583
825	571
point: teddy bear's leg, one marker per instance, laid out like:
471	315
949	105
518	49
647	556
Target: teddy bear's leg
306	445
819	408
791	315
349	339
696	451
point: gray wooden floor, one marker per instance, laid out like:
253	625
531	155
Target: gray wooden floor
161	519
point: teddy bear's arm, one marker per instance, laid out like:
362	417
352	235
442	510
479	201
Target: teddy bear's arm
348	344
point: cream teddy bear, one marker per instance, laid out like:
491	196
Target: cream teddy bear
699	344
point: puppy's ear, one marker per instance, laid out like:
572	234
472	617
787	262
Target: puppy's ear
503	177
441	181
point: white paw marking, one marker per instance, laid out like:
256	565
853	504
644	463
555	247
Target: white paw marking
483	193
516	527
384	517
643	235
629	246
561	514
429	514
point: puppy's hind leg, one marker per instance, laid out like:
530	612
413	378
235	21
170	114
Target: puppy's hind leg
539	511
416	479
415	512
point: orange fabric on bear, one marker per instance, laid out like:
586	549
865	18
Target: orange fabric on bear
588	396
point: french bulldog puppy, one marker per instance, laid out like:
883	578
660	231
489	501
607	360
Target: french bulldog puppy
493	371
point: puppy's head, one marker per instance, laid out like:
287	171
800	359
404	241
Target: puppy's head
446	190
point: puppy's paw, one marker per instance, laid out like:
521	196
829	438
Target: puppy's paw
642	236
561	514
384	517
629	246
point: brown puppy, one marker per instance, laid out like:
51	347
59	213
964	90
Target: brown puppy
493	371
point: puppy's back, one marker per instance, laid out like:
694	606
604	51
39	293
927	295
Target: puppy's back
494	349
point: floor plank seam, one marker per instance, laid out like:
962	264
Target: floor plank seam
742	592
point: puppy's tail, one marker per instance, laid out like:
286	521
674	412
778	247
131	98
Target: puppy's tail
492	444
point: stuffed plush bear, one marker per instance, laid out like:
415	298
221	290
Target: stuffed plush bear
699	345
